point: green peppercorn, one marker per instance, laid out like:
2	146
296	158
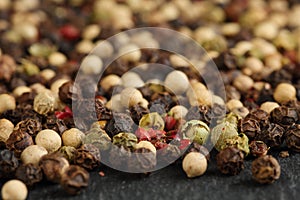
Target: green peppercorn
152	120
127	140
196	131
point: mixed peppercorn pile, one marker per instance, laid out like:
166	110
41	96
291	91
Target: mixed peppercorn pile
141	122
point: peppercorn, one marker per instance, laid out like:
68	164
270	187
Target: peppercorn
8	102
32	154
9	189
30	126
53	166
259	115
68	92
250	127
269	106
87	156
30	174
6	128
127	140
72	137
132	79
108	82
284	116
48	139
152	120
99	138
200	112
8	163
239	141
194	164
120	122
230	161
18	141
258	148
8	67
44	103
284	92
292	138
265	169
68	153
272	135
221	132
74	179
196	131
130	97
137	112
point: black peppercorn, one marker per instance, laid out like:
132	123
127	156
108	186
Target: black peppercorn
68	91
265	169
74	179
55	124
258	148
201	112
18	141
120	122
101	111
8	163
87	156
272	135
230	161
29	174
137	112
30	126
292	138
250	127
285	116
53	166
259	115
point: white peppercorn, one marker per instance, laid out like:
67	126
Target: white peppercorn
72	137
267	30
103	49
269	106
18	91
109	81
91	31
284	92
177	82
130	96
47	74
243	83
178	61
178	112
48	139
84	46
14	189
6	128
234	103
253	64
57	59
7	102
44	103
132	79
114	103
57	84
32	154
147	145
194	164
38	88
130	53
91	64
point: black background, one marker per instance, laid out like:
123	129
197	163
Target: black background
172	183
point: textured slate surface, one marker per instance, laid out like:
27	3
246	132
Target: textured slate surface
171	183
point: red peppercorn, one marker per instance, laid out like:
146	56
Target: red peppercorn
69	32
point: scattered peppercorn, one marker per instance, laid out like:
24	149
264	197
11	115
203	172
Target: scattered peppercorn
194	164
258	148
87	156
265	169
30	174
230	161
292	138
8	163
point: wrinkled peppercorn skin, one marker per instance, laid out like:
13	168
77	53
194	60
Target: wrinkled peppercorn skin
29	174
8	163
18	141
265	169
272	135
284	116
230	161
87	156
74	179
258	148
292	138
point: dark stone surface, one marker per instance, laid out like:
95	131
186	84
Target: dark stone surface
171	183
